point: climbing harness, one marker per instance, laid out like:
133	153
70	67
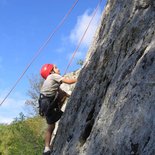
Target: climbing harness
49	103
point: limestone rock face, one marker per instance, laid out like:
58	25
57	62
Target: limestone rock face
112	108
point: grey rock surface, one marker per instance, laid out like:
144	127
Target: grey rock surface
112	108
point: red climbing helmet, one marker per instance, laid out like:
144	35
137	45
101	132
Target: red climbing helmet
46	70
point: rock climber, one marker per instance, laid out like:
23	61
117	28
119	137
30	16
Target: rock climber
51	99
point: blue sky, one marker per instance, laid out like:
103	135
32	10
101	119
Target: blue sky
24	26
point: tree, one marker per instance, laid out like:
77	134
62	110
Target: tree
35	84
23	136
80	62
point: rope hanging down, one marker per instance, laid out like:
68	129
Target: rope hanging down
74	53
40	49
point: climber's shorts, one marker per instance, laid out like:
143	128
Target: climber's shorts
53	116
48	107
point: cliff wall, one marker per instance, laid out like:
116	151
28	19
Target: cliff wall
112	108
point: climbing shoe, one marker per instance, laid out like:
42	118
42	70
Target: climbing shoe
47	153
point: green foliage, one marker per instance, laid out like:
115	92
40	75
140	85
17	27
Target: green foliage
20	118
22	137
80	62
25	135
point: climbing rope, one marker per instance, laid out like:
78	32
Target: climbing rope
74	53
40	49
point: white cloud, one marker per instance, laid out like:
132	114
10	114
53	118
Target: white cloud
5	120
11	108
79	55
71	42
80	27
